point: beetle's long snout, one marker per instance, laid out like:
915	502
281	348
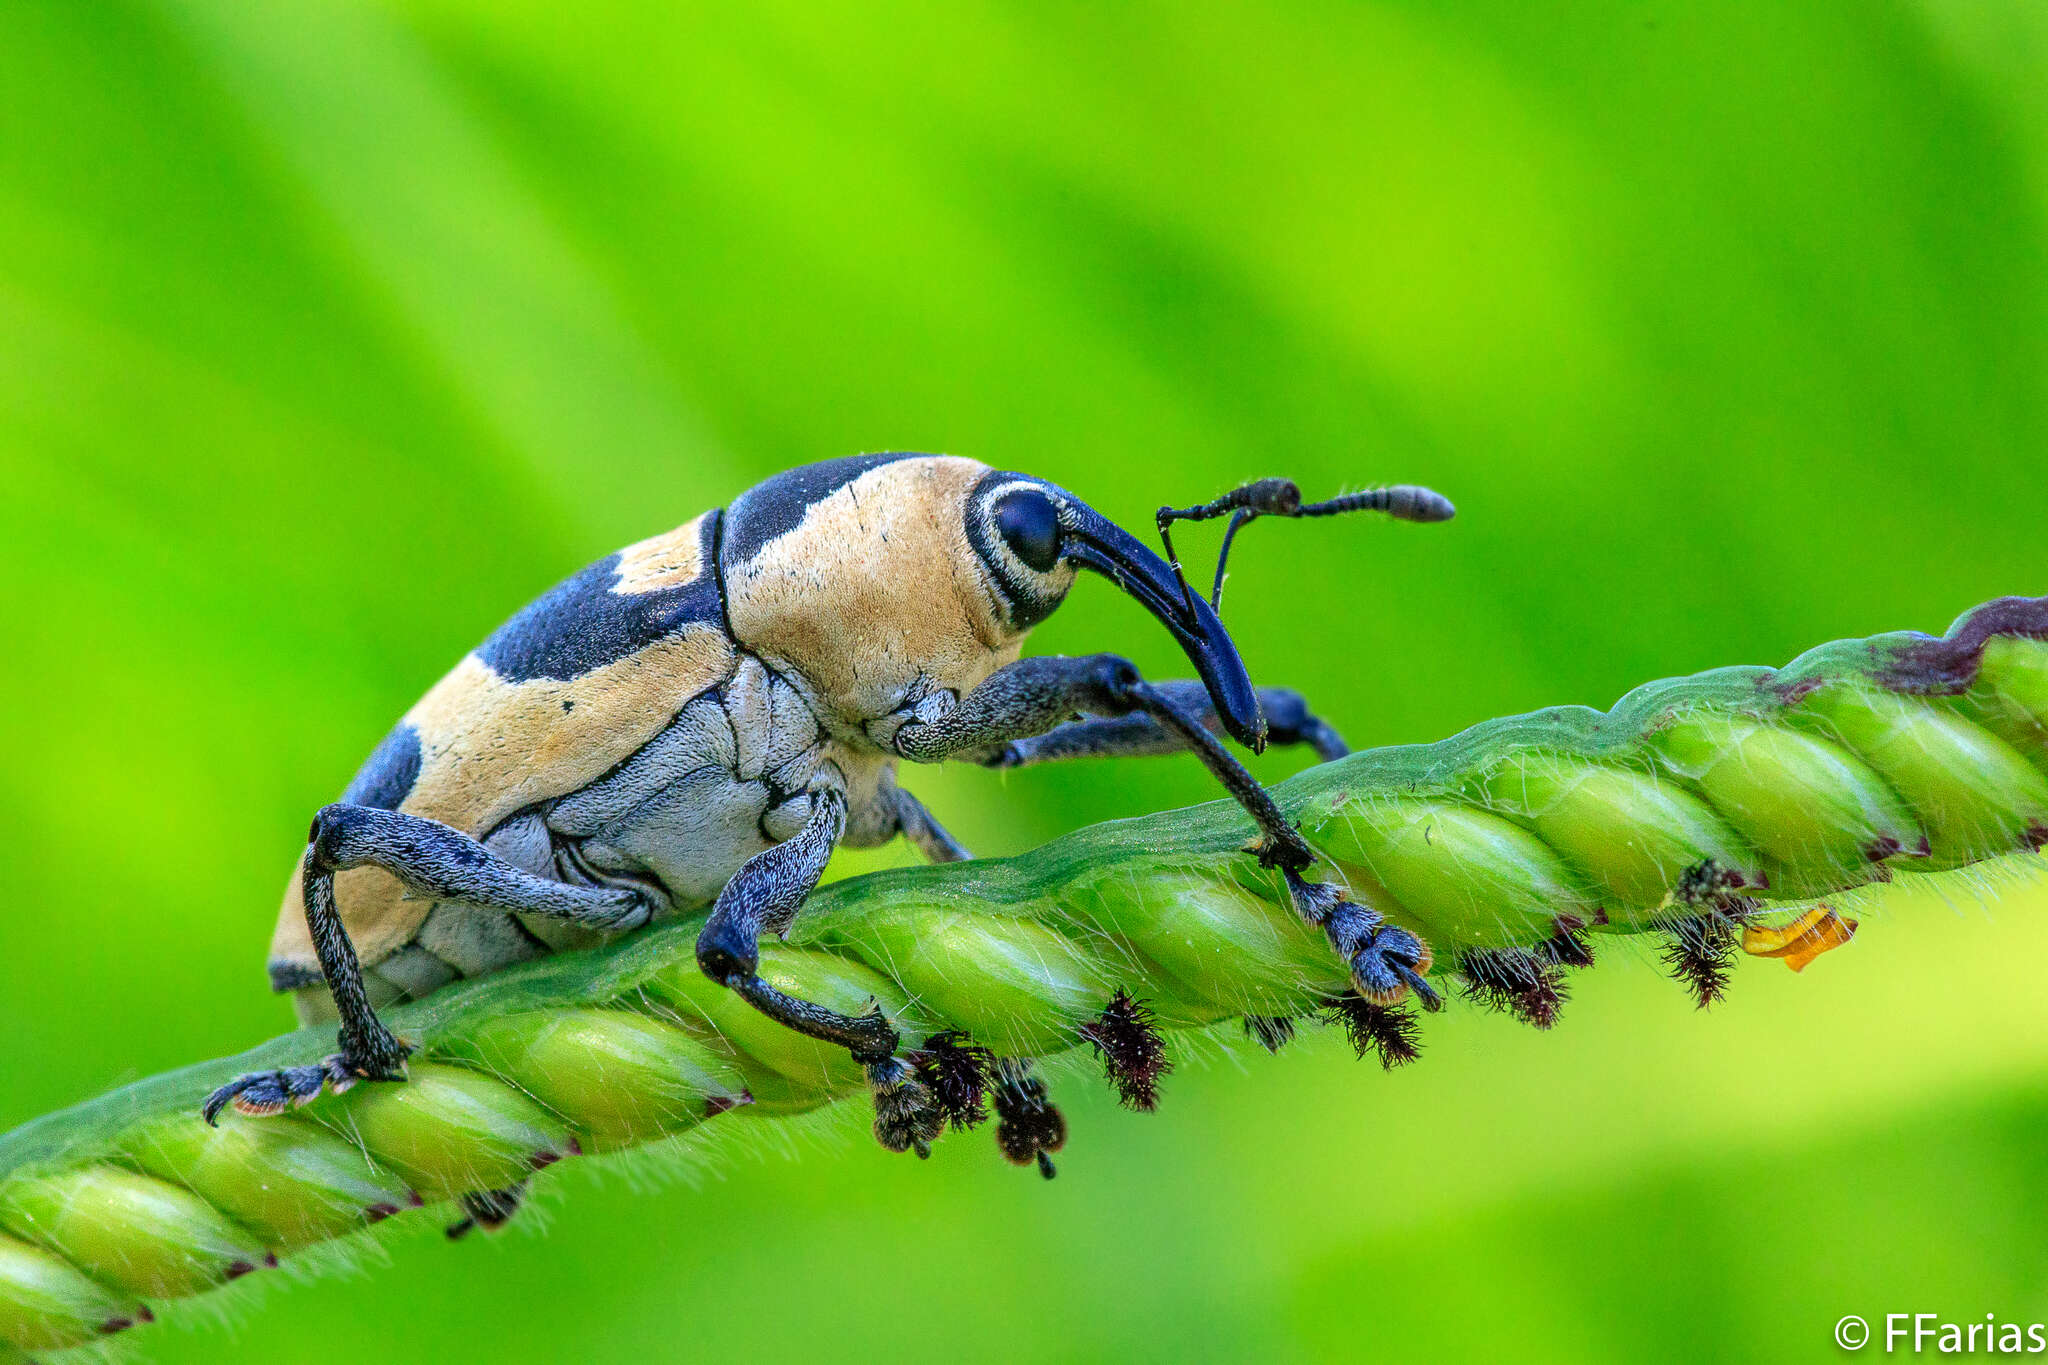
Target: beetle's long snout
1095	542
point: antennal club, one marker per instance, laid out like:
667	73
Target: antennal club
1282	498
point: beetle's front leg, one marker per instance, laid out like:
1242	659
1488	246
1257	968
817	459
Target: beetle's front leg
1386	961
1019	701
1289	720
766	893
1031	696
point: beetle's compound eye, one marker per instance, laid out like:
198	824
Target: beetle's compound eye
1014	524
1030	525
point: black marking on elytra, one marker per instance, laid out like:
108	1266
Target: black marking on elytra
1390	1031
958	1072
1023	598
1029	1125
1948	664
581	624
776	506
387	776
1132	1051
1515	981
1270	1031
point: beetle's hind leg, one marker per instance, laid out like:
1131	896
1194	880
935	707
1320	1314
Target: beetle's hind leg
766	893
432	860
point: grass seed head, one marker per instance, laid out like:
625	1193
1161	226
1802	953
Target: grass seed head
1270	1031
1133	1052
1388	1031
958	1074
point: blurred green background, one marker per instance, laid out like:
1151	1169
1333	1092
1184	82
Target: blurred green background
332	332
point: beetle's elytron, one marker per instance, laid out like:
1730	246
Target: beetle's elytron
701	717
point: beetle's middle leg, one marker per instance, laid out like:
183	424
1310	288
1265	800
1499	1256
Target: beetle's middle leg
901	813
766	893
1032	697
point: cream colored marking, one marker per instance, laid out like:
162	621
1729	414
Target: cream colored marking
489	747
670	560
876	590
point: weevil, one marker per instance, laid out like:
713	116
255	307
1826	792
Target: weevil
701	718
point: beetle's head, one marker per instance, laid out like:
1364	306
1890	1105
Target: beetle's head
1033	536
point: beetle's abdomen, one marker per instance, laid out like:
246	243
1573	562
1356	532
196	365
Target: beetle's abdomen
731	775
729	778
565	692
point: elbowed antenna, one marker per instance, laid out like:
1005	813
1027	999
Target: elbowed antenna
1095	542
1282	498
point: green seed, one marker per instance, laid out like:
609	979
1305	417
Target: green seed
46	1305
1976	796
2011	695
1551	814
619	1077
782	1069
1459	876
1631	833
1819	815
1224	949
132	1232
287	1181
1015	985
447	1131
